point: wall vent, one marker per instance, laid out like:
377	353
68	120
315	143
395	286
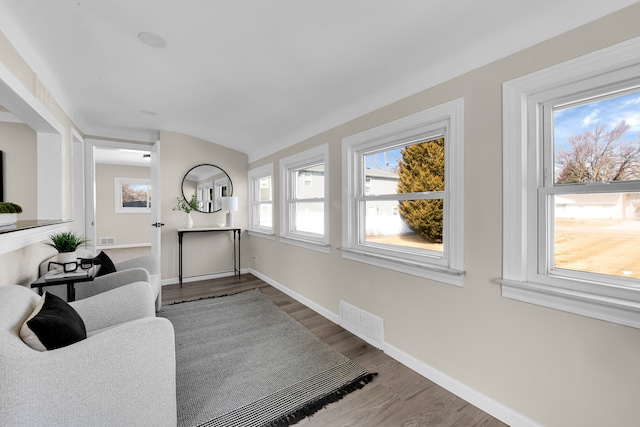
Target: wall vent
365	325
106	241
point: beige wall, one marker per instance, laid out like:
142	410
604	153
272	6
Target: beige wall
127	228
18	143
205	253
556	368
21	266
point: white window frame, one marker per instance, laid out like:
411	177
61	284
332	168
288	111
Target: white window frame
315	241
118	184
443	120
255	175
523	103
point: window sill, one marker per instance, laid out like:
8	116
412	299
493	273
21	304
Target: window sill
307	244
264	234
611	309
427	271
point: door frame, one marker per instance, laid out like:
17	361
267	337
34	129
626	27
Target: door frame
90	187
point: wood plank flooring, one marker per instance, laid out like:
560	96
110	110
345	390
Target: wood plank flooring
396	397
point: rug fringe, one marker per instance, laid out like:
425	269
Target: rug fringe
211	297
312	407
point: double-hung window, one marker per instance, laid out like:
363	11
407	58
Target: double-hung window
304	211
261	200
572	186
402	205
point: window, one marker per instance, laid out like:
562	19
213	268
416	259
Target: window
304	214
132	195
261	199
403	205
571	142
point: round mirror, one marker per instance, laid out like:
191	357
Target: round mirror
207	183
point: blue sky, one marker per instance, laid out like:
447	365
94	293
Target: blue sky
609	112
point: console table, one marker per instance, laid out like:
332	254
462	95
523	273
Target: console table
235	231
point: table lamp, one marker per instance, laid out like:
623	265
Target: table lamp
230	204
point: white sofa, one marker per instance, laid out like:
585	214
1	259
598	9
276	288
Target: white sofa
122	374
144	269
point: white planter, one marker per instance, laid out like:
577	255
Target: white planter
65	258
189	221
8	219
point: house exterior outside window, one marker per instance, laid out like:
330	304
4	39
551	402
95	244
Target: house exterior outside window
402	208
572	186
304	192
261	200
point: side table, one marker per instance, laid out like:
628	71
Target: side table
52	278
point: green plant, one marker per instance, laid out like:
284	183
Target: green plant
67	241
8	207
421	169
183	205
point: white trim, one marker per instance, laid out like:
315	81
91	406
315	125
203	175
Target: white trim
334	317
471	395
481	401
124	246
21	238
256	233
255	175
197	278
522	99
319	154
447	119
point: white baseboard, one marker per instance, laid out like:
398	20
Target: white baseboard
469	394
463	391
189	279
312	305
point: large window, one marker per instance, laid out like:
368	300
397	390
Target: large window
403	205
261	199
572	143
304	209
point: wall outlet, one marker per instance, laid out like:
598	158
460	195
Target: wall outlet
255	259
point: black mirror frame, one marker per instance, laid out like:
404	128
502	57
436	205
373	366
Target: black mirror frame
230	189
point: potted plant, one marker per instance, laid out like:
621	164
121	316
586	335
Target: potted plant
9	213
66	243
191	205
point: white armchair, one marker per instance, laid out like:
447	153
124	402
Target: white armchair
123	373
141	269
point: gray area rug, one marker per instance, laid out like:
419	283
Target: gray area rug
242	361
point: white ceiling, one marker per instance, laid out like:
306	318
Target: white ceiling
258	75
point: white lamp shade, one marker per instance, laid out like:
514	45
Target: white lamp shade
230	203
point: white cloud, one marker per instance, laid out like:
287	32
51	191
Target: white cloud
591	118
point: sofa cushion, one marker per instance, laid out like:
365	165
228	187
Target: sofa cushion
106	265
52	324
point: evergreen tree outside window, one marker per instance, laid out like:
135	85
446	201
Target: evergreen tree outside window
403	208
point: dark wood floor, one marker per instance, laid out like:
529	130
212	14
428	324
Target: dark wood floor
396	397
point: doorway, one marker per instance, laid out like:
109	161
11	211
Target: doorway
122	179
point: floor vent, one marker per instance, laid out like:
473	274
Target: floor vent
365	325
106	241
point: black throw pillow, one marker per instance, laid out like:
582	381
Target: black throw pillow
106	265
55	324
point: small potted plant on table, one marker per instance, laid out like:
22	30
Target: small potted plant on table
66	243
9	213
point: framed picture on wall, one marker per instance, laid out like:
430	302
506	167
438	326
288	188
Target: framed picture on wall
132	195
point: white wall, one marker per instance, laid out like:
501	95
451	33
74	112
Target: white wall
552	367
